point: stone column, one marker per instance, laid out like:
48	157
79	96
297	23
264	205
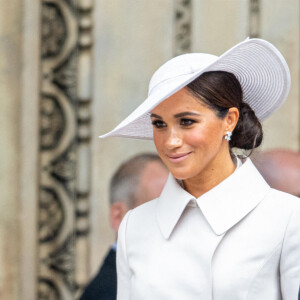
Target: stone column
11	28
29	159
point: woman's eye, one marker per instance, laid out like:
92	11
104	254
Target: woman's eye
186	122
159	124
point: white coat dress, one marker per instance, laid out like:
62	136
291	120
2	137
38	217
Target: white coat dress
238	241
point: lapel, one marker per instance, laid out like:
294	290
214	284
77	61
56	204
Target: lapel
223	206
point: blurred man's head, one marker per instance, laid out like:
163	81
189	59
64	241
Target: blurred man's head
281	169
136	181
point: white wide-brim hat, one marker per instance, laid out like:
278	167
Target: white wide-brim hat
260	68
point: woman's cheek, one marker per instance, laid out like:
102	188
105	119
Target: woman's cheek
158	142
194	138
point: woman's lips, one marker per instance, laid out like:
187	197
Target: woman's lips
176	158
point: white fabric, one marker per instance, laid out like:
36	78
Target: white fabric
260	68
239	241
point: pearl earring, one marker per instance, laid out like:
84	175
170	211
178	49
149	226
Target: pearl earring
228	136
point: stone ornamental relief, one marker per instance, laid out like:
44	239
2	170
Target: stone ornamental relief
66	42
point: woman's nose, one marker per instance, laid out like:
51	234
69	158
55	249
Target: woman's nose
174	140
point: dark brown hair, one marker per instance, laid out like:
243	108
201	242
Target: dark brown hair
220	91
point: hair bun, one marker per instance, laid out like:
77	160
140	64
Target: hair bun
248	132
245	108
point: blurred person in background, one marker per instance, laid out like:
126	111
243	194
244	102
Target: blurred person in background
281	169
135	182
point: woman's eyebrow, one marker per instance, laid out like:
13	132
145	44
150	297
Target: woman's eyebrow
156	116
187	113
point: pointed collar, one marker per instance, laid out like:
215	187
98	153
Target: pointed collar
170	205
223	206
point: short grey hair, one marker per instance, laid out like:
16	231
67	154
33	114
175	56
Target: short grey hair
124	182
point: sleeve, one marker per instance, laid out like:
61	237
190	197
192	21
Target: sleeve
123	270
290	259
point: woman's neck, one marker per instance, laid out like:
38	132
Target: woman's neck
210	177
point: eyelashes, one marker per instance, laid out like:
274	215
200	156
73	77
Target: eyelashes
159	124
187	122
184	122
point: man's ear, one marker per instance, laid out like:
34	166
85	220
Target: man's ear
116	214
232	118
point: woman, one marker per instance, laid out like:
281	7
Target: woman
218	231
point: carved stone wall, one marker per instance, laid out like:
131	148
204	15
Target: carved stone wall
64	146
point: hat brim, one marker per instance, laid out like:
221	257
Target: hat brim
260	68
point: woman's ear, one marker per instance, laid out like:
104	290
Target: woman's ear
116	214
232	118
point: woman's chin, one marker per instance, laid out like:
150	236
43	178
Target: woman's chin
181	175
